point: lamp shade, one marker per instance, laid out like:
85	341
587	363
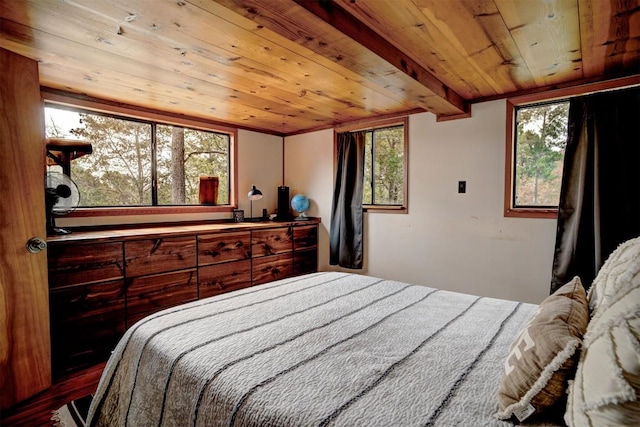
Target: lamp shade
254	193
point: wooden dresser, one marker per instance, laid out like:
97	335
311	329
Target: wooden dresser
102	282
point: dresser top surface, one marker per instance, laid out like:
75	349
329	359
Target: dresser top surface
173	230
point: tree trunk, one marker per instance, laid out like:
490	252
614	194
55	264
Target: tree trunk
177	166
140	168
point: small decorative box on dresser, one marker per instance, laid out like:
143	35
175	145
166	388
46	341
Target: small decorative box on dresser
102	282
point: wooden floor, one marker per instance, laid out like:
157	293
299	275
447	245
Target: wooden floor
37	411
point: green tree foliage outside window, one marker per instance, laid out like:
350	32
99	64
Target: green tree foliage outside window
119	172
384	167
541	137
203	154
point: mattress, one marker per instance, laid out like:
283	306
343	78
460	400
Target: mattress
324	349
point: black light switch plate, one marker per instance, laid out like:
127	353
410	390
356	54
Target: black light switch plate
462	186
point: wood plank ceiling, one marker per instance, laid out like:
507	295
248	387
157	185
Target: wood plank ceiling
290	66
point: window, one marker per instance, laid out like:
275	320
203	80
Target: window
140	163
385	170
536	145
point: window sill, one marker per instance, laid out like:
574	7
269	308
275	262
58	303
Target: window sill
531	213
385	209
147	210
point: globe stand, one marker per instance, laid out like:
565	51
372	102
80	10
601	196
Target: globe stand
301	217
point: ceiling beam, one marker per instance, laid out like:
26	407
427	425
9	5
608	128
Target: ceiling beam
340	18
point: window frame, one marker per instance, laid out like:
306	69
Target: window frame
372	125
537	98
99	106
509	209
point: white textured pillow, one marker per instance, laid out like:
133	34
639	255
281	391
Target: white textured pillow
614	272
606	388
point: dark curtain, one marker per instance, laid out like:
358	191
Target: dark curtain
345	240
599	204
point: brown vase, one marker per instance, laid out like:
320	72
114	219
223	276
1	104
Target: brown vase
208	190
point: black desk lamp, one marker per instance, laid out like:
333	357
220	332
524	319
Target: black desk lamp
254	194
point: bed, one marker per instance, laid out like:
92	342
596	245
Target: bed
324	349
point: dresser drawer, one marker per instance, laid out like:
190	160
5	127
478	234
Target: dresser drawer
224	247
159	255
86	323
220	278
305	261
73	264
305	237
270	268
271	241
148	294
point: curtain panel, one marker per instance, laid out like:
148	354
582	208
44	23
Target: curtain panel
345	234
599	204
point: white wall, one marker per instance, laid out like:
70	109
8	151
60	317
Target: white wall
460	242
259	162
308	160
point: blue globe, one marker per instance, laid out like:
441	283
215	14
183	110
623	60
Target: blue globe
300	203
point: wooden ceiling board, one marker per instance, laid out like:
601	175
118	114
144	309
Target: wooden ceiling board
294	23
97	29
250	61
488	17
452	56
548	35
345	22
323	90
290	66
180	53
332	92
111	78
160	97
610	35
592	35
472	52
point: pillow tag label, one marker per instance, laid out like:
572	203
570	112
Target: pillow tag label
524	413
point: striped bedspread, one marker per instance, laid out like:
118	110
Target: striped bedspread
326	349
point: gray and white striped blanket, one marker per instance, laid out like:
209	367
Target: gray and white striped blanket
330	349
